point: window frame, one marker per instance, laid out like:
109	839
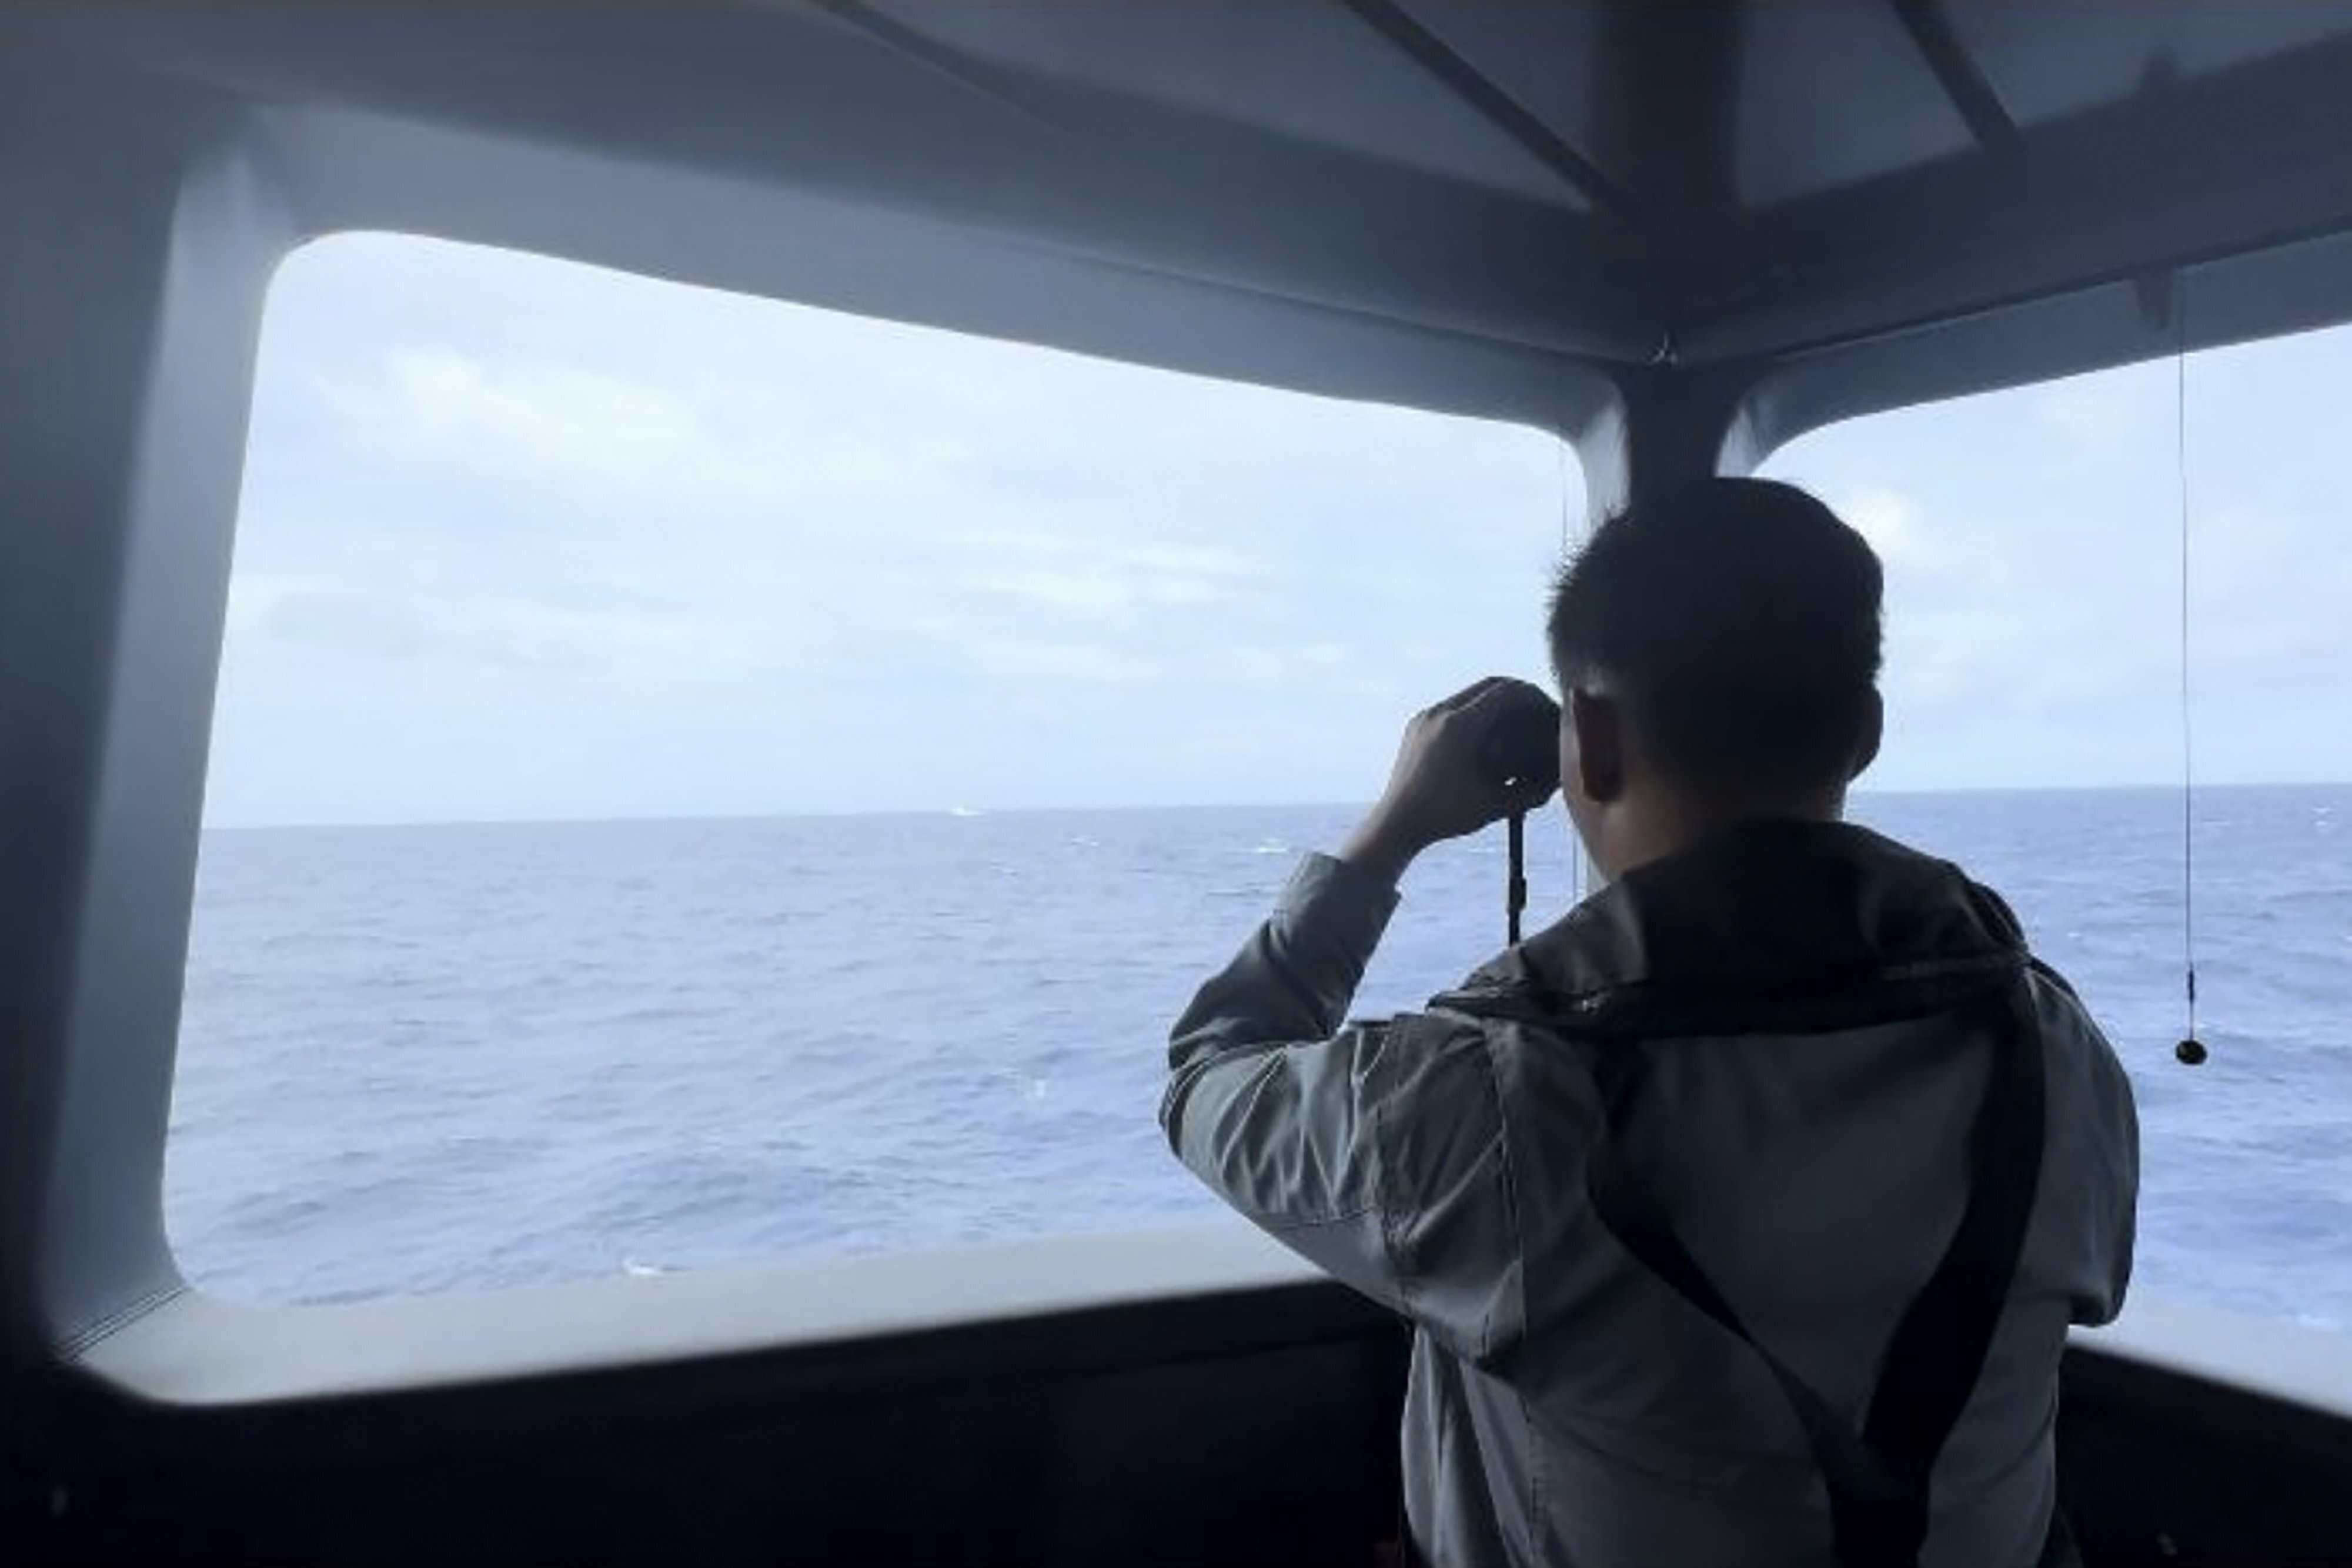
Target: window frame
154	293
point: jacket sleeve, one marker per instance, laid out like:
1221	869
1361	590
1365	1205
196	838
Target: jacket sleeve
1373	1150
2121	1170
2100	1126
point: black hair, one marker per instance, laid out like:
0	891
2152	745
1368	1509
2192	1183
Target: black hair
1738	621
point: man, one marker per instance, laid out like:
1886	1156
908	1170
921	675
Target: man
1740	1215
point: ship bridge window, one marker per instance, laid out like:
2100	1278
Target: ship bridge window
699	780
2033	542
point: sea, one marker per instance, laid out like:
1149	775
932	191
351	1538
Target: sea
417	1060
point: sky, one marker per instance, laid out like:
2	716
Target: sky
521	539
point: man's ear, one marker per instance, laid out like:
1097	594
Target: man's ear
1874	730
1600	729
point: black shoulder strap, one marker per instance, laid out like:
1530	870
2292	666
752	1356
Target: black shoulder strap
1878	1477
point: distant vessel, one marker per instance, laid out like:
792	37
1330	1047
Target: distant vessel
963	811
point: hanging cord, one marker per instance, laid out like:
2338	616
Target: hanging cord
2190	1052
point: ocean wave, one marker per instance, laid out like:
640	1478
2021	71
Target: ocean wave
475	1058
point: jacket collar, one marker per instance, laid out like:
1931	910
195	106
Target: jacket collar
1764	907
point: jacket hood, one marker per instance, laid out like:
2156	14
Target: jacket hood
1766	908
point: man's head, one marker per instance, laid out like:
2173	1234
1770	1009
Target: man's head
1719	653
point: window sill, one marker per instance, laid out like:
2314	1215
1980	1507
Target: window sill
197	1351
1242	1292
2300	1365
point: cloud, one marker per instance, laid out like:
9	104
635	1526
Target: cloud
1081	663
786	542
1305	666
2268	589
484	633
536	420
358	623
2033	573
828	563
1889	519
2102	415
1097	594
1109	579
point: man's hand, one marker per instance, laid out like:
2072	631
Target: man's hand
1441	787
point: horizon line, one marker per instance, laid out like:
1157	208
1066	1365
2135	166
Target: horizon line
961	812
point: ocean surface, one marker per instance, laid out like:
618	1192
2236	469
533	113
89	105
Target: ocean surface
432	1059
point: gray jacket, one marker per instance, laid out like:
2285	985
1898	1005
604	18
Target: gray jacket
1565	1405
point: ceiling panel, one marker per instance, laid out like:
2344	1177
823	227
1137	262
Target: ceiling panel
1832	92
1795	175
1544	53
1310	70
2046	60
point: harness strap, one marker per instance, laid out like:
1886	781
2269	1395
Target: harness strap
1878	1477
